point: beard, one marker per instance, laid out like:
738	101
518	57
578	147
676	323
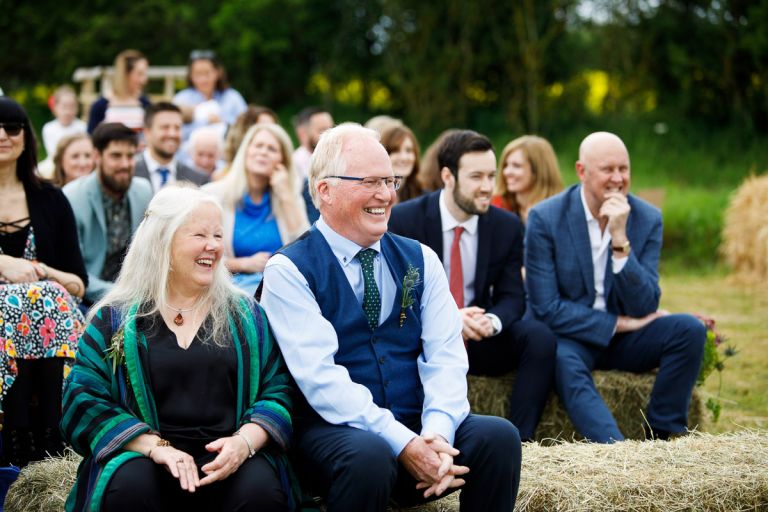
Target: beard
117	186
467	204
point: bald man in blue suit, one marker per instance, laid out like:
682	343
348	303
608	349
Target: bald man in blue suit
591	257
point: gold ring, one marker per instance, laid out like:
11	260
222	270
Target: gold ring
180	461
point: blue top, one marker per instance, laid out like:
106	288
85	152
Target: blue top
255	228
309	343
231	102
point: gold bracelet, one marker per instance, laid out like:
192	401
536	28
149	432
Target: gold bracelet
160	443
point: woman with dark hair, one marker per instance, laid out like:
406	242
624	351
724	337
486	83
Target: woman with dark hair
41	270
127	102
429	177
73	159
208	99
403	149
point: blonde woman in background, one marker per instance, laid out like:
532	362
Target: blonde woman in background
263	207
528	173
73	158
127	101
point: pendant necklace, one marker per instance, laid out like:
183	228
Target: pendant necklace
179	319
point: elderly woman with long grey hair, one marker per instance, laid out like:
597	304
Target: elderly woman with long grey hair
178	386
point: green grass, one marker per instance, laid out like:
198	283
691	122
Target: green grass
741	312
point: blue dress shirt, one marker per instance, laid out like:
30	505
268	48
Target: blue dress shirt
308	342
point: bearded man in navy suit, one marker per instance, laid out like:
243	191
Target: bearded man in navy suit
591	257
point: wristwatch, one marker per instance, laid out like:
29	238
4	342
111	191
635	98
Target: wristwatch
623	248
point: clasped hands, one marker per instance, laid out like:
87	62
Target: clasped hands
19	270
475	325
429	459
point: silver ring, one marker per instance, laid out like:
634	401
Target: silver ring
179	461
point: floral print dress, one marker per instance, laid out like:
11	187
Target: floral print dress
37	319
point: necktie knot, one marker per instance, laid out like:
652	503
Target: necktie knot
457	231
371	297
164	172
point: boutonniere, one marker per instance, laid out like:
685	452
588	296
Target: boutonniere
116	349
410	281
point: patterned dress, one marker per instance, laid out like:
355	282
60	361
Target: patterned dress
37	320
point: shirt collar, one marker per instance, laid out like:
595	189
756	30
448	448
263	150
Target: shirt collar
587	211
153	165
449	222
344	249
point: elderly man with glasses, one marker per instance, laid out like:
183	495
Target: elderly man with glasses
372	336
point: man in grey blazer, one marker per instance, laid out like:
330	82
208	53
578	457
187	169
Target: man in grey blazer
591	259
109	205
158	162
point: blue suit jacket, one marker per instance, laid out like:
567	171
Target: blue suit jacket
498	280
560	277
84	194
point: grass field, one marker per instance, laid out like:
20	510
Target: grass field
741	312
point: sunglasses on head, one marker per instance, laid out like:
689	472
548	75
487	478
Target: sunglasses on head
12	129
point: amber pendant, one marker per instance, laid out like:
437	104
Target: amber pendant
179	320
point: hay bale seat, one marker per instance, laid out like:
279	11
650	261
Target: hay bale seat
626	395
701	472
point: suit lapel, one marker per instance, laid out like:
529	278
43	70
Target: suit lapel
577	227
97	203
434	225
484	235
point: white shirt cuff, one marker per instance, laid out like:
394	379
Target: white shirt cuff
441	424
495	322
397	436
618	263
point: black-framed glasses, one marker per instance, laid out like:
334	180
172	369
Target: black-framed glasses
12	129
373	182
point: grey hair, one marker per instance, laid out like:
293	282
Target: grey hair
204	133
143	279
235	183
328	159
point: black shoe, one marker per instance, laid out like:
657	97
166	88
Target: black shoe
18	447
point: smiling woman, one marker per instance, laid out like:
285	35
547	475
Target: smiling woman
190	344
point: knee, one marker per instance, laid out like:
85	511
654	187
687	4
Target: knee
542	343
134	486
368	462
690	334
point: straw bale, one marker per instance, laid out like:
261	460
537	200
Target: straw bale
700	472
43	486
626	395
745	232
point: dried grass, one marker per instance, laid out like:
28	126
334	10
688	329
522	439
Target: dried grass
625	394
43	486
745	232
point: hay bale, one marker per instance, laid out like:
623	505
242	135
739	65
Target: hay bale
43	486
745	232
701	472
626	395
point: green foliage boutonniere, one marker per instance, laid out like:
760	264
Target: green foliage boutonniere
410	281
116	349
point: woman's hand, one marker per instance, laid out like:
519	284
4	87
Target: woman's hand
180	464
232	453
17	270
280	183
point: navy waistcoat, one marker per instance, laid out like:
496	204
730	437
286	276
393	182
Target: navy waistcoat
384	360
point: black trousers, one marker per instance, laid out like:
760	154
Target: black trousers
530	347
355	470
140	484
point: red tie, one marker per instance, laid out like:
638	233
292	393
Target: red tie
457	276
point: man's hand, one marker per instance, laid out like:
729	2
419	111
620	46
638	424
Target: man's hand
616	209
448	469
629	324
421	461
475	325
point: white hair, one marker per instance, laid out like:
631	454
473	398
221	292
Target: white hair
206	133
327	159
143	279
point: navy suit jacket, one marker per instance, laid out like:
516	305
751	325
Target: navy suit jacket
498	279
560	277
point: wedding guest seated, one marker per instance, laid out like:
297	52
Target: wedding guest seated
372	337
179	399
73	159
262	205
208	99
41	278
126	102
481	249
255	114
65	109
108	205
205	147
403	149
591	258
528	174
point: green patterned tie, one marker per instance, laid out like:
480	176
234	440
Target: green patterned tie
371	298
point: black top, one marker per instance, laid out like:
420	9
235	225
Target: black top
55	229
12	244
195	389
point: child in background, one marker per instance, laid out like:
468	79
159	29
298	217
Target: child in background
65	109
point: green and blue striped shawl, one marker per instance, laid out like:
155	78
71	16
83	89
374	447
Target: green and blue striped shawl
107	405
